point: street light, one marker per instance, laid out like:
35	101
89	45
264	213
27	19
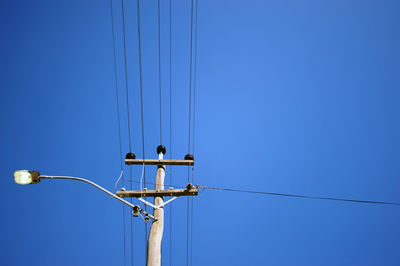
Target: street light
25	177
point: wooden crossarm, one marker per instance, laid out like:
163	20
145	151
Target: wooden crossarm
158	162
157	193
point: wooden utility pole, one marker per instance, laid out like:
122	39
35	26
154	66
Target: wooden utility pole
157	228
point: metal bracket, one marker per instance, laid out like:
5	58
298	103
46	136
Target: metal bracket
159	206
137	210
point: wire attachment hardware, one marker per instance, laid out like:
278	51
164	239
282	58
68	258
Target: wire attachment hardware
130	156
136	210
161	148
189	157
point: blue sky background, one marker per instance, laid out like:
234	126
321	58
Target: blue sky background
292	96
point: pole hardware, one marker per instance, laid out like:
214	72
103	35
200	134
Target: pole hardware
158	206
189	157
157	226
161	149
136	211
129	156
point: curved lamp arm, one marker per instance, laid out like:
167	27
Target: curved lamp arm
25	177
91	183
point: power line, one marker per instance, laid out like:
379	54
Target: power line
126	77
194	127
170	126
301	196
116	84
118	118
127	108
190	72
159	67
187	231
191	231
123	218
130	176
194	82
293	195
141	102
190	117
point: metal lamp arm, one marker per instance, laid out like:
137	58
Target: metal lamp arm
91	183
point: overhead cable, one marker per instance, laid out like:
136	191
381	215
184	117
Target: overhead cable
170	126
159	67
301	196
119	121
141	100
127	108
194	127
189	128
126	76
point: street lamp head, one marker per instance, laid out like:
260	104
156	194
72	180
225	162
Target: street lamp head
25	177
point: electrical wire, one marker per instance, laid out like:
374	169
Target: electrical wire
170	126
194	87
191	230
123	218
302	196
189	128
130	176
119	178
141	101
190	73
194	127
293	195
187	231
159	66
127	108
126	76
116	84
119	120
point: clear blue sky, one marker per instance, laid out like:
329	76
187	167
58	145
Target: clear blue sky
292	96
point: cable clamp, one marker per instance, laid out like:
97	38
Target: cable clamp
136	211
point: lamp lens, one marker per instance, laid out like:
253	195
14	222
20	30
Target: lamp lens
23	177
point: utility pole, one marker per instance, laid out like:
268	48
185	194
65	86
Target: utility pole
157	227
